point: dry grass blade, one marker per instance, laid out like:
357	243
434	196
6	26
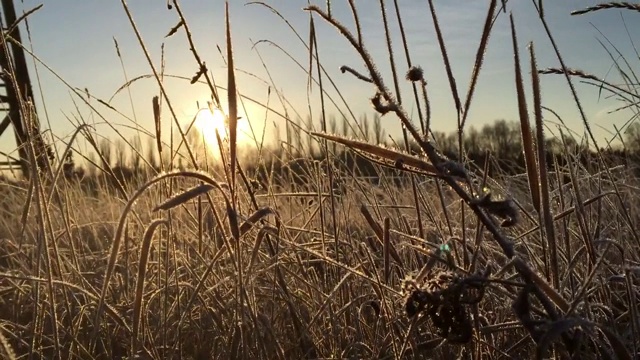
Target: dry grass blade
26	209
175	28
233	105
547	289
352	71
556	330
372	223
312	44
525	126
356	20
381	233
235	342
254	218
184	196
632	299
158	125
259	238
482	47
223	156
609	5
142	269
386	250
22	17
201	71
388	154
543	176
573	72
445	59
64	156
107	104
583	75
7	350
233	221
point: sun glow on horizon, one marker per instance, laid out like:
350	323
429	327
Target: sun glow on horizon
209	121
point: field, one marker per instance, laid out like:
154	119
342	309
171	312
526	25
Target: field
438	246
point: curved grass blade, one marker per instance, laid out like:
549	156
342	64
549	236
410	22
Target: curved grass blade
254	218
142	269
185	196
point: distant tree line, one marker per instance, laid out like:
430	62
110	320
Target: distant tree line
499	142
301	157
502	142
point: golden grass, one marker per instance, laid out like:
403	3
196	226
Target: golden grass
321	263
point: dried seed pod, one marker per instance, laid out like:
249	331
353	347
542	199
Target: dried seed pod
415	73
444	297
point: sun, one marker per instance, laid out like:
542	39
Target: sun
208	121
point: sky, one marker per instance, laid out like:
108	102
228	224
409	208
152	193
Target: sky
75	39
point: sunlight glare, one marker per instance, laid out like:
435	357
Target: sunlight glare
208	121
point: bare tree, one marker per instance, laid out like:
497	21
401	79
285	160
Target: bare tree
378	131
632	137
366	127
104	147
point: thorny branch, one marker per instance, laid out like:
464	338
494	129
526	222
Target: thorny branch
443	165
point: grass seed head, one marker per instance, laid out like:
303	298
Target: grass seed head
414	74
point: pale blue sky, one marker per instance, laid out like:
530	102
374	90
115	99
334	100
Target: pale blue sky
75	39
